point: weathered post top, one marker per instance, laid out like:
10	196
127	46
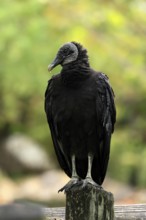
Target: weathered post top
89	203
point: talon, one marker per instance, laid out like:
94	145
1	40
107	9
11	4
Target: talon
72	183
87	181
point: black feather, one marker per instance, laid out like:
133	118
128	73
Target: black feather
79	104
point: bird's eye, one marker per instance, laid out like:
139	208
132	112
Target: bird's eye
65	50
71	51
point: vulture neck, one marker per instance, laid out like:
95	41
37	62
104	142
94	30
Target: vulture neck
75	73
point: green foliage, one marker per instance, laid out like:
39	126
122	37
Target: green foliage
113	32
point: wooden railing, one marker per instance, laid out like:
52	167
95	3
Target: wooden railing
122	212
28	211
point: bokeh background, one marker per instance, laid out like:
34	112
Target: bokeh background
31	31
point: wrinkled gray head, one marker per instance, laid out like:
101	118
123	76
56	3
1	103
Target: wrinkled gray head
66	54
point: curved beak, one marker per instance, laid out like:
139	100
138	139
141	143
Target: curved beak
55	62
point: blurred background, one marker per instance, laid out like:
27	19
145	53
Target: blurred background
31	31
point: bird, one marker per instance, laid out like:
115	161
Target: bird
81	113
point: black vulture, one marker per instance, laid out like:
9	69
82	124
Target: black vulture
80	109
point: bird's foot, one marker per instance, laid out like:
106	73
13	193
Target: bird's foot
89	180
72	183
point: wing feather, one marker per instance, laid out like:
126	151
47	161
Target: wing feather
108	119
48	109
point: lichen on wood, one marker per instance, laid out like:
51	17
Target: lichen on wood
89	203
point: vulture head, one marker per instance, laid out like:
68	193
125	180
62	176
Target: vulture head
68	53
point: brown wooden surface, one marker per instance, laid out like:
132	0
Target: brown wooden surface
122	212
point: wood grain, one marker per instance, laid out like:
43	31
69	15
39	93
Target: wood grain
122	212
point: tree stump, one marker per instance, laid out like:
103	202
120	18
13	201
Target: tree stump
89	203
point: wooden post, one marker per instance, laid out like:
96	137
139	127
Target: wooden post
89	203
